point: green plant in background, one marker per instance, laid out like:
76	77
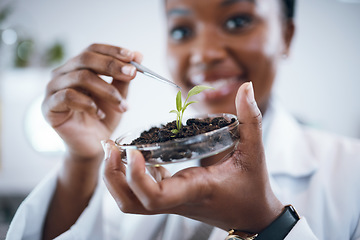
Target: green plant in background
55	53
4	13
180	107
24	50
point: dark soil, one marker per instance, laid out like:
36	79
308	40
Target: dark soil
193	127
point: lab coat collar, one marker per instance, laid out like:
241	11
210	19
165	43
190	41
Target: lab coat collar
288	151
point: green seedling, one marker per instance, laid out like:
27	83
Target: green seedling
180	107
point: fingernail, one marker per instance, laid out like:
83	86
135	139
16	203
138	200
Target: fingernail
250	93
128	70
138	57
130	153
126	53
100	114
251	99
123	106
106	146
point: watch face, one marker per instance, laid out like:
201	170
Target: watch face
233	238
236	237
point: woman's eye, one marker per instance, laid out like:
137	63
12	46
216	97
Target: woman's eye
180	33
238	22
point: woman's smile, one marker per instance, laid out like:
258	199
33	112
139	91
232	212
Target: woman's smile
223	85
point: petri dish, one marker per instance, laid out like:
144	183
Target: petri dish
184	149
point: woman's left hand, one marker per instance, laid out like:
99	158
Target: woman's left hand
232	194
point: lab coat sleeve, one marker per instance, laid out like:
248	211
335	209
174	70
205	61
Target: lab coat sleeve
356	235
29	219
301	231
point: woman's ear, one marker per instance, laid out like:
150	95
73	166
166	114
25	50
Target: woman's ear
289	31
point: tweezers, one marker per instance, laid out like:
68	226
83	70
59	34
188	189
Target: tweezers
148	72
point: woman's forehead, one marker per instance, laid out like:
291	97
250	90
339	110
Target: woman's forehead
185	7
216	2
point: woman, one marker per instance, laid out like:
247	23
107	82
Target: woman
237	45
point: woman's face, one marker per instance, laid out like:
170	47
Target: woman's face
224	43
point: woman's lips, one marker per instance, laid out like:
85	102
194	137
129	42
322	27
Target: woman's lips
223	86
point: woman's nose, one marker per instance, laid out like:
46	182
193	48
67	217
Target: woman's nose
208	47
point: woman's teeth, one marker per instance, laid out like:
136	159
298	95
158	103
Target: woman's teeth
220	83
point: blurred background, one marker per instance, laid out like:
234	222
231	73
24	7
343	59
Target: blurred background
319	82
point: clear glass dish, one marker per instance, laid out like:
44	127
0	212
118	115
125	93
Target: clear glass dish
184	149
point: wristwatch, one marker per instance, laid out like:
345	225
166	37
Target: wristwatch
277	230
238	235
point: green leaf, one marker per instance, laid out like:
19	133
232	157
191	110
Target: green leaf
178	101
187	104
174	111
175	131
198	89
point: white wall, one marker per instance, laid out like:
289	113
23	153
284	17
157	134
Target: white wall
319	82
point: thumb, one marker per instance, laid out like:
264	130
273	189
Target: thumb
112	157
248	114
136	166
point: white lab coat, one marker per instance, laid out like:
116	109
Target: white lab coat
316	172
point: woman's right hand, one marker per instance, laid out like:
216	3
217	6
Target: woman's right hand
83	108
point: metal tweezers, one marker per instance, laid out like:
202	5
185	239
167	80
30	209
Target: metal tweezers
148	72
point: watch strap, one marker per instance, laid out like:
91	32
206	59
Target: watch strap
277	230
281	226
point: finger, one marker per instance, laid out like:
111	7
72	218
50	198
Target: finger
101	64
115	180
170	192
68	100
158	172
138	57
248	114
112	158
123	54
92	84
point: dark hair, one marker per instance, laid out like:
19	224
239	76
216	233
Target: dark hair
289	8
